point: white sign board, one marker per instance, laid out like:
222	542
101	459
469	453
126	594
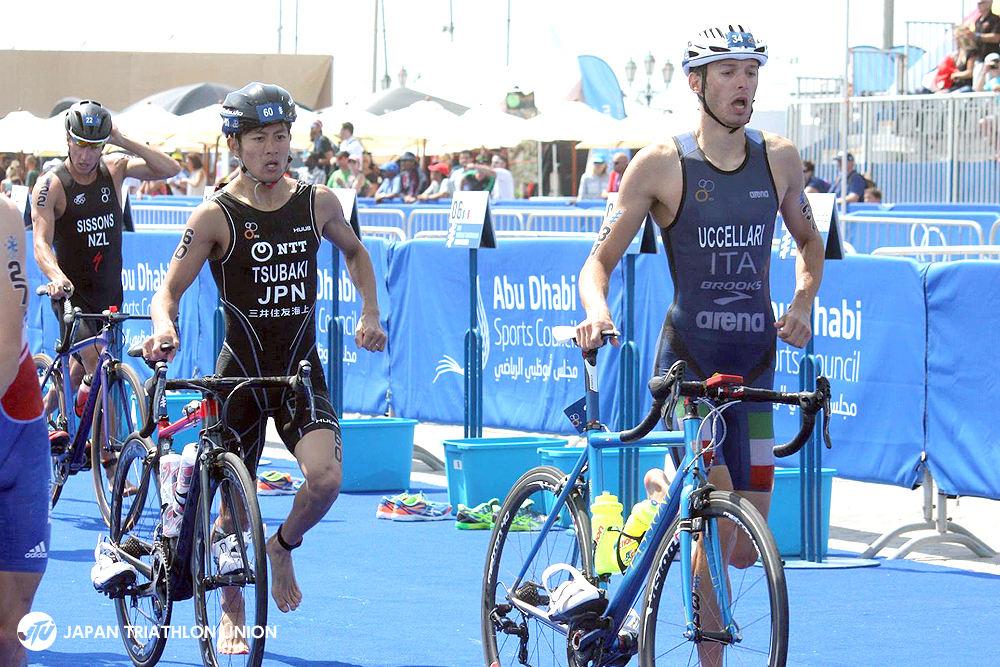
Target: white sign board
19	195
469	222
349	203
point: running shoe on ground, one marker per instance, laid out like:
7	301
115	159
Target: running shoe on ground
109	573
274	483
388	504
527	519
480	517
419	508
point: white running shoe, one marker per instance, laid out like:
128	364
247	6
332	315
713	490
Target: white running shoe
109	573
574	596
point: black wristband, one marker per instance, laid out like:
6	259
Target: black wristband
285	545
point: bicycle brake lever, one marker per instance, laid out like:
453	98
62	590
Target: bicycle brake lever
823	386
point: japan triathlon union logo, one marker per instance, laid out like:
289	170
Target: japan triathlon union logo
36	631
79	200
448	364
703	193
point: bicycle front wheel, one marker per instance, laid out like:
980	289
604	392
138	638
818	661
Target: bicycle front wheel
127	408
55	417
143	609
229	568
508	632
753	587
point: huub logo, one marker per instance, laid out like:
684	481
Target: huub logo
80	199
36	631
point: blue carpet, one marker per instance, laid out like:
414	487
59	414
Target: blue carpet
381	593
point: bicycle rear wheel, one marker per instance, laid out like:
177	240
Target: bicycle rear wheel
143	609
757	595
55	418
127	400
506	631
229	568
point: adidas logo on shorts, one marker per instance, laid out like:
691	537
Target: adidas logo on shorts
38	551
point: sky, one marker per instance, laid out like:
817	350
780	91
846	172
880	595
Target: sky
805	39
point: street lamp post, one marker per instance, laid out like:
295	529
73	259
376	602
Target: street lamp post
648	65
401	77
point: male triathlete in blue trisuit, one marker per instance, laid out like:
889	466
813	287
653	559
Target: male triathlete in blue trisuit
714	193
24	447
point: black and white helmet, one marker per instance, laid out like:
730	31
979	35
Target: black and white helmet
88	121
722	44
255	105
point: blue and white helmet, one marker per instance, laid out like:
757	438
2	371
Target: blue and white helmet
721	44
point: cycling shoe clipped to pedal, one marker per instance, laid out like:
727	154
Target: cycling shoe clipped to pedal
574	596
110	574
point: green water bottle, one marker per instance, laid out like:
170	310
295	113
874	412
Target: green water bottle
636	526
605	524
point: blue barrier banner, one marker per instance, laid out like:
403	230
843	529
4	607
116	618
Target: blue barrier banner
963	408
366	374
869	339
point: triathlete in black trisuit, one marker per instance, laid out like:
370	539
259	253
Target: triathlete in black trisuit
261	234
77	217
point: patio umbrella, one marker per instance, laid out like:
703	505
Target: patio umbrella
568	121
185	99
147	123
21	132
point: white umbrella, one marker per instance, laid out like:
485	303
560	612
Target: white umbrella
147	123
639	129
20	132
486	125
204	126
411	127
568	121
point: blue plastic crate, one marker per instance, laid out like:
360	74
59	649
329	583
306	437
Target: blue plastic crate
176	400
482	468
378	454
785	515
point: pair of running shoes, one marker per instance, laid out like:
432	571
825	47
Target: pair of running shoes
417	507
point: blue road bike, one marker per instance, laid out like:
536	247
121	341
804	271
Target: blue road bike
706	584
112	411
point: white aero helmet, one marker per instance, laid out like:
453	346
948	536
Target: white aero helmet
721	44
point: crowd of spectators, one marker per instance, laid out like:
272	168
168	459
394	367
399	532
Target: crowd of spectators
972	65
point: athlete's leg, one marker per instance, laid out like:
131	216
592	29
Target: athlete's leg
17	590
319	454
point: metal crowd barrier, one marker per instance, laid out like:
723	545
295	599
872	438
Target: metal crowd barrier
866	233
993	232
158	215
381	217
565	221
392	233
942	253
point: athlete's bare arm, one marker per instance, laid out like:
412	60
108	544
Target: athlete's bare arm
652	182
49	203
795	327
13	291
206	235
148	163
334	228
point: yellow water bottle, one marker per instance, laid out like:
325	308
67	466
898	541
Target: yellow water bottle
636	526
605	524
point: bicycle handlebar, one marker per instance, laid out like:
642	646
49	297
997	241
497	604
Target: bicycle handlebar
670	386
70	314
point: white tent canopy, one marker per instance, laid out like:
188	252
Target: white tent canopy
569	121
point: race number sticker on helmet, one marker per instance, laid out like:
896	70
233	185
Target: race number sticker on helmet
270	112
730	42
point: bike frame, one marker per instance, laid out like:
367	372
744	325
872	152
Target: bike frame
691	476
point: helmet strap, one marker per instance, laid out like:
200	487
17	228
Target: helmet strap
708	110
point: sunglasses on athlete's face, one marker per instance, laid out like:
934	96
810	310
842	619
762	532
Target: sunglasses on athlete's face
89	144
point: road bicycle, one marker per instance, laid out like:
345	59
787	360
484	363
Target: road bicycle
112	411
218	553
689	595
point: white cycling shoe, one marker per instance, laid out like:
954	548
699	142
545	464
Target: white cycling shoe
226	551
574	596
109	573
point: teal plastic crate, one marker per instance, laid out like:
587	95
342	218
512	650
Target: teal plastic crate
378	453
176	400
565	458
785	515
482	468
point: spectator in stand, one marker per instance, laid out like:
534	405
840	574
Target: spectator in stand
479	177
964	60
372	174
197	178
338	179
31	162
986	30
322	147
441	186
412	181
988	78
504	188
458	172
856	183
813	184
392	186
592	184
153	188
356	179
618	162
872	196
348	142
312	172
13	177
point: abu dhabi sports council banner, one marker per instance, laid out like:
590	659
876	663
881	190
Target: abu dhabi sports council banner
869	328
526	286
145	258
963	406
